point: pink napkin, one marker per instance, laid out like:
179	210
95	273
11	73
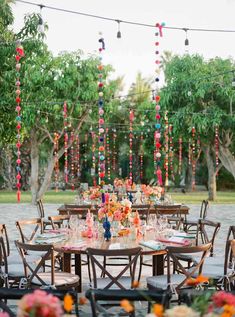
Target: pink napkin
74	247
174	241
63	230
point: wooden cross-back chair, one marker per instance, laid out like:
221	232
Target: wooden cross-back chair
28	228
10	275
177	281
191	224
36	275
113	279
58	221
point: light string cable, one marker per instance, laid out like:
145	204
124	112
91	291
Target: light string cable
197	29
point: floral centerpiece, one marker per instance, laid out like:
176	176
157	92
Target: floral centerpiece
115	211
152	192
93	194
39	304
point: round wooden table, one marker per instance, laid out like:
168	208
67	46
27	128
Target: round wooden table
77	245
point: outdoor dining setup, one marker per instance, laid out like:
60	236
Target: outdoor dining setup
119	246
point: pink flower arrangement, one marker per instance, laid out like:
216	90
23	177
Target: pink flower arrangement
115	211
154	191
3	314
39	304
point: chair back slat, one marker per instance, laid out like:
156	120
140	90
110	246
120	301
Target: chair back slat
34	225
172	253
114	277
40	208
3	232
31	271
204	209
58	221
208	230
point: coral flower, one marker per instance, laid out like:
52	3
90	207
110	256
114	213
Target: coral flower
158	310
126	305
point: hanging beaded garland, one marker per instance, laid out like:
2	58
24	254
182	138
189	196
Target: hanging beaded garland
93	149
180	156
171	151
56	160
85	149
193	157
72	159
66	138
141	156
156	100
114	153
166	139
108	154
77	140
216	149
18	56
101	167
131	119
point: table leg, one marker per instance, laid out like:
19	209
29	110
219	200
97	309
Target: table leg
78	271
67	262
158	264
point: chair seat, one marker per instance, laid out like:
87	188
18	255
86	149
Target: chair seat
16	259
61	279
160	281
16	270
213	272
125	281
211	260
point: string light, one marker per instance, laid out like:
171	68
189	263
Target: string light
127	21
114	162
216	149
78	156
141	157
119	35
186	42
40	21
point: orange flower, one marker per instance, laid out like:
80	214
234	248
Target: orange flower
229	311
68	303
82	300
158	310
126	305
135	284
196	281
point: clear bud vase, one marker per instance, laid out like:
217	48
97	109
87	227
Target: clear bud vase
115	228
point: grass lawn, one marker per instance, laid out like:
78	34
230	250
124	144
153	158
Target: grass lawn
68	196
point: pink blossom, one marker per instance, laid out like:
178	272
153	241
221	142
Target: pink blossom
222	298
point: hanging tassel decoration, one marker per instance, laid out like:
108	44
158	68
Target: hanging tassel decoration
18	56
56	160
216	149
101	167
193	157
166	161
141	157
131	119
171	152
72	159
66	138
180	156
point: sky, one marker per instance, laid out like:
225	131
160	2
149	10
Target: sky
135	51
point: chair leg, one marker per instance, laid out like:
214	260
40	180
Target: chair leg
89	268
140	270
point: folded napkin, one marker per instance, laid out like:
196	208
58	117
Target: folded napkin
174	240
61	230
76	246
50	238
152	244
115	246
184	235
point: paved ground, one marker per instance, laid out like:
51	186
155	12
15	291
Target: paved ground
11	212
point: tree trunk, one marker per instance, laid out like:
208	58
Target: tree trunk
34	166
211	173
227	159
47	176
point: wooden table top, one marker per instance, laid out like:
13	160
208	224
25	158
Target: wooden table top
78	245
161	209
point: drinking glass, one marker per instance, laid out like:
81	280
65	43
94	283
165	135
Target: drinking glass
73	223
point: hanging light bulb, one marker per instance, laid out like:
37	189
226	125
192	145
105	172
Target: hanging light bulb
186	42
40	21
119	35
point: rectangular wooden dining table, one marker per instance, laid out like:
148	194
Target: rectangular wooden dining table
78	248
